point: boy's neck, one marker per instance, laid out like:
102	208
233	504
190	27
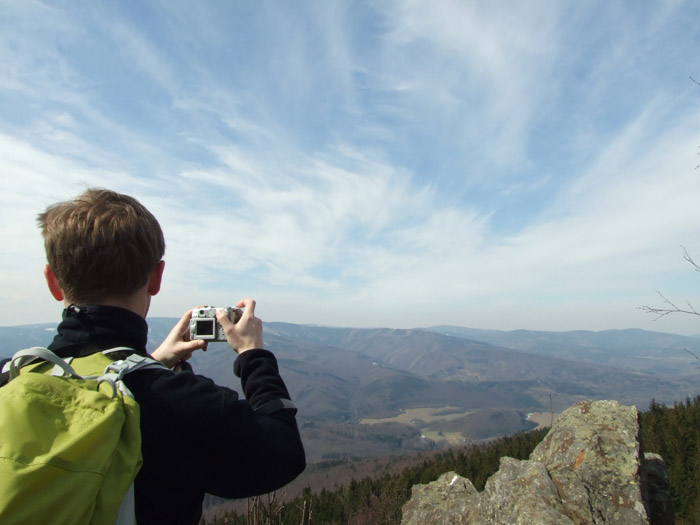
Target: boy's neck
138	302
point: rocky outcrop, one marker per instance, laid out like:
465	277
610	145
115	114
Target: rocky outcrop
588	469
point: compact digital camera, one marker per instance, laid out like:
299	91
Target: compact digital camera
204	324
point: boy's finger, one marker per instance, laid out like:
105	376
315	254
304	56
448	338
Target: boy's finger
249	305
223	318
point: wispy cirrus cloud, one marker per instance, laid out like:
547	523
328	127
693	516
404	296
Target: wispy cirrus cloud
367	164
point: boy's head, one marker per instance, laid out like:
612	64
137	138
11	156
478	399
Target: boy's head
101	244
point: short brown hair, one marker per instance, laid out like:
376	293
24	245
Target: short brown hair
101	244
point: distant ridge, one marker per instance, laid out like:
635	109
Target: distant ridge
380	391
636	349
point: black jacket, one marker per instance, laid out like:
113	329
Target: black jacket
197	437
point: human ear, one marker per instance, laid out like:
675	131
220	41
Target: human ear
156	278
52	282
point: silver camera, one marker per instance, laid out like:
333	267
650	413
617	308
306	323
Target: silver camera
204	324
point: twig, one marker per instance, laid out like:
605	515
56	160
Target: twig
673	308
693	354
689	259
303	513
661	312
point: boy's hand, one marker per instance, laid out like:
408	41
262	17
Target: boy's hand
246	334
177	347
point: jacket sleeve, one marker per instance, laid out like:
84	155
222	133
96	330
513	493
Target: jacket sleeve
276	453
207	438
262	385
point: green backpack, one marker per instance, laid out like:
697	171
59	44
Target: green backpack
71	442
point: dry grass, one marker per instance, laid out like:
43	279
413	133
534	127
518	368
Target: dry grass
543	419
427	415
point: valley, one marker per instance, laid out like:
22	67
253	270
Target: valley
371	393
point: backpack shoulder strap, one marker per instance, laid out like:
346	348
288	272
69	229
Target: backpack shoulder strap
24	357
115	371
4	371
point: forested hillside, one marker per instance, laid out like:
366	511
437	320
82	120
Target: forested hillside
673	432
371	393
378	500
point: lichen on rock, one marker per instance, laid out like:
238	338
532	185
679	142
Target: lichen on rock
588	470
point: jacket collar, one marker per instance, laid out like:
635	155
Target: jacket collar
89	328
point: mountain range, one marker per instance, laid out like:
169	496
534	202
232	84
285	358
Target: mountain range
373	392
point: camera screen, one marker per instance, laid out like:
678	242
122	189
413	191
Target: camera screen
205	327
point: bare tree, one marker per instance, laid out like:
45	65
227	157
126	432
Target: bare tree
671	307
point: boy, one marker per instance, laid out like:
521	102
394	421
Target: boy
104	254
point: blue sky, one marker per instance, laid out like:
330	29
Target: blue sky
489	164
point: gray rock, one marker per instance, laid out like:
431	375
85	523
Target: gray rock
587	470
520	492
445	500
593	457
656	489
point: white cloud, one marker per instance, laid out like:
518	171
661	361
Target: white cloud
399	165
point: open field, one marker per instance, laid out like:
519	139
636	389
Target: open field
425	415
453	438
543	419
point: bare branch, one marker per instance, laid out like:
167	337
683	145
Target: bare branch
689	259
673	309
692	353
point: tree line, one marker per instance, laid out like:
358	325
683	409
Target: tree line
671	431
674	434
378	500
